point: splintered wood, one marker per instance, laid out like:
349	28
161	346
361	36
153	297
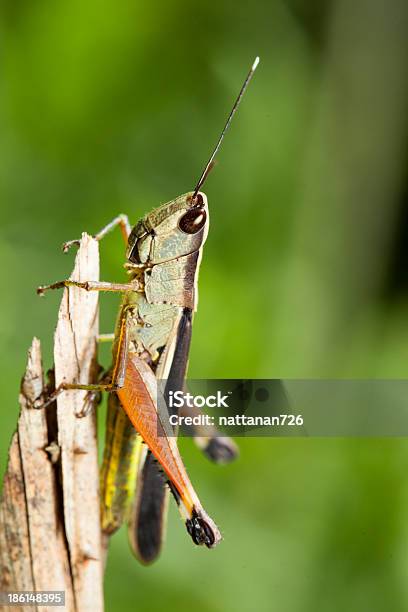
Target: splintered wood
50	537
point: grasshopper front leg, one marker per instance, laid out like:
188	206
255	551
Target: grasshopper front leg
121	220
134	285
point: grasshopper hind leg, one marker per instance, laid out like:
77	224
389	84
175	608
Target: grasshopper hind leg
123	452
202	529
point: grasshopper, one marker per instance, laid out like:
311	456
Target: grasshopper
151	342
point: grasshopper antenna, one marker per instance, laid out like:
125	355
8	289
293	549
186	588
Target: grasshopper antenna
210	162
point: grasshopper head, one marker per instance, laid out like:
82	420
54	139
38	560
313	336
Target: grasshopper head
172	230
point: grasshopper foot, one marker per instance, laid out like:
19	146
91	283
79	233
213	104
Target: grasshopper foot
70	243
37	404
92	400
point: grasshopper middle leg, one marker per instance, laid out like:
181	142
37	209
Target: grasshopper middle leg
117	377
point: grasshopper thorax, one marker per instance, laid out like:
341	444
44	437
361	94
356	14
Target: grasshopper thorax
172	230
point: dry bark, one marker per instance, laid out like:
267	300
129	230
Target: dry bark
50	537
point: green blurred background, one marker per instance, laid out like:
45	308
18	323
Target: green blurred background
114	106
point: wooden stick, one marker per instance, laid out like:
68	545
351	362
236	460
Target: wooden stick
50	537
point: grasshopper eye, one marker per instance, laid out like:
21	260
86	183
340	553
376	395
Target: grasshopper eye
193	221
